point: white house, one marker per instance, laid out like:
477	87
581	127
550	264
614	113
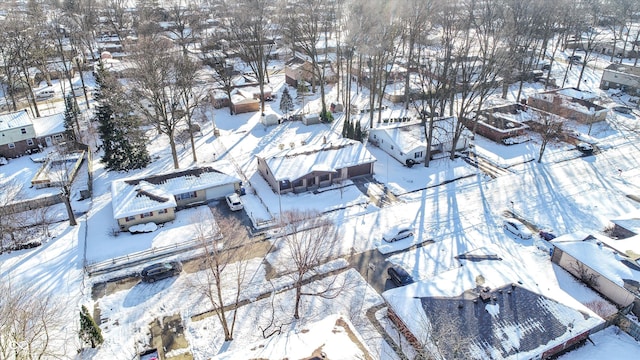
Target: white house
156	198
407	142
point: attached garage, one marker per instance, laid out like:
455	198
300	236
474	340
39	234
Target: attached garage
360	170
218	192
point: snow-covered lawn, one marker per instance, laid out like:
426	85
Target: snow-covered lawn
565	193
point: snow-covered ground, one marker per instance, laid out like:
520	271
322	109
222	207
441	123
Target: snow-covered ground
565	193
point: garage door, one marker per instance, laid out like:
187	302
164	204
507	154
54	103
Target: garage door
219	192
359	170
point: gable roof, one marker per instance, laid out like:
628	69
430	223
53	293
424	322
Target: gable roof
294	163
629	221
14	120
136	196
49	125
614	259
488	312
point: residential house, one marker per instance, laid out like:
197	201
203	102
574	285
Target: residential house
407	142
503	124
623	77
627	225
310	166
156	198
20	134
569	103
300	69
486	309
609	266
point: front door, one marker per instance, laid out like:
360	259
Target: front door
48	141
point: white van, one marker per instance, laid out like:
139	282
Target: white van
234	202
45	94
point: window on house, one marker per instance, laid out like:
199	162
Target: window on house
417	155
147	214
129	218
23	131
187	195
163	211
30	142
297	183
57	137
11	145
375	136
324	177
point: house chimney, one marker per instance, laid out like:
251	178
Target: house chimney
324	140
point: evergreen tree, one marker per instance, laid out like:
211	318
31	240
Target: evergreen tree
286	102
123	141
71	113
358	135
89	333
345	128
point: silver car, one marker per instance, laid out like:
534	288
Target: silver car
517	228
397	234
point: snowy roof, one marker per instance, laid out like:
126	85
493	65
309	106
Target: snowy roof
606	260
128	200
294	163
135	196
630	221
406	136
49	125
485	306
14	120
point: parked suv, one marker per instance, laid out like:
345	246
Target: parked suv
234	202
160	271
399	276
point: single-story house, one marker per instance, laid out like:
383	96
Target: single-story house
20	134
307	167
627	225
156	198
623	77
407	142
247	98
500	123
486	309
569	103
301	69
607	265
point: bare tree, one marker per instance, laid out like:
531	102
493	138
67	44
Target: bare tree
225	272
29	323
310	241
61	173
549	127
156	93
10	222
190	95
249	33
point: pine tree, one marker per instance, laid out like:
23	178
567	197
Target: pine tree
286	102
358	132
122	139
89	333
345	128
71	113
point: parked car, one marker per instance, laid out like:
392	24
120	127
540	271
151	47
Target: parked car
160	271
45	94
517	228
3	161
234	202
546	235
584	147
399	276
397	234
574	59
622	109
